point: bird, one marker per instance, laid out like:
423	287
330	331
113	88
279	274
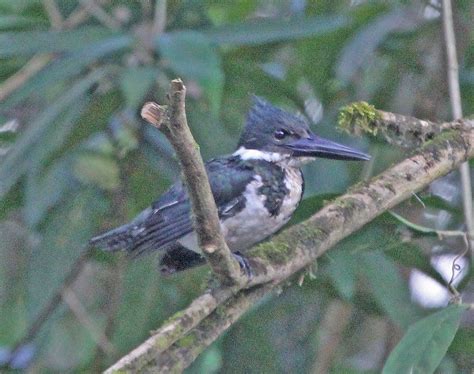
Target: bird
256	189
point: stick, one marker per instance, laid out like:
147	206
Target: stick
172	122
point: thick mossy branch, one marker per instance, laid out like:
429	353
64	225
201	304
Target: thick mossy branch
296	247
184	351
172	330
397	129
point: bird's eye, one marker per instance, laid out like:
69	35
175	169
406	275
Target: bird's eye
280	134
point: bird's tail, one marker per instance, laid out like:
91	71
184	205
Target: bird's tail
114	240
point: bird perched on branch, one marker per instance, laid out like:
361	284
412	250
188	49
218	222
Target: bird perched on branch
256	189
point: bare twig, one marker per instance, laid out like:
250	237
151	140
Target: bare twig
15	81
336	318
172	122
80	14
54	14
111	310
159	19
54	301
80	313
297	247
456	107
96	11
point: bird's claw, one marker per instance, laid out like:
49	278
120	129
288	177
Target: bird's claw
244	264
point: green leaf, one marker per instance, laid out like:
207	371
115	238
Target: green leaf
364	43
411	255
62	69
17	6
8	131
388	288
414	226
27	43
309	206
274	30
97	169
425	343
45	189
438	202
342	270
17	161
15	247
135	83
9	21
463	343
64	232
192	55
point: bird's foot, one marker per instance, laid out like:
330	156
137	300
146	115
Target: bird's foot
244	264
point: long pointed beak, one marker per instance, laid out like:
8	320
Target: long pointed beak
315	146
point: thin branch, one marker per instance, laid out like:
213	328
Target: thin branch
80	313
335	321
15	81
297	247
54	14
159	19
96	11
53	302
111	310
172	122
453	66
80	15
456	107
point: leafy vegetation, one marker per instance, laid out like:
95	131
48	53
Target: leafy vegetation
76	159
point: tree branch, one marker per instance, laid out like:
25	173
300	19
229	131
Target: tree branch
298	246
53	302
396	129
172	122
456	108
184	351
173	329
335	320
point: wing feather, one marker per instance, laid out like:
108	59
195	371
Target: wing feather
169	218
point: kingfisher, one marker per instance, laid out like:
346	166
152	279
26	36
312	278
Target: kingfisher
256	189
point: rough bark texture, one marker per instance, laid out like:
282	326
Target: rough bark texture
179	342
397	129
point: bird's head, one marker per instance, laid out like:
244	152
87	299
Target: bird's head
275	135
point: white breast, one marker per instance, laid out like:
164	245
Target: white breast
254	224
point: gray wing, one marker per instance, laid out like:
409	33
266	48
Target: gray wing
164	222
169	218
